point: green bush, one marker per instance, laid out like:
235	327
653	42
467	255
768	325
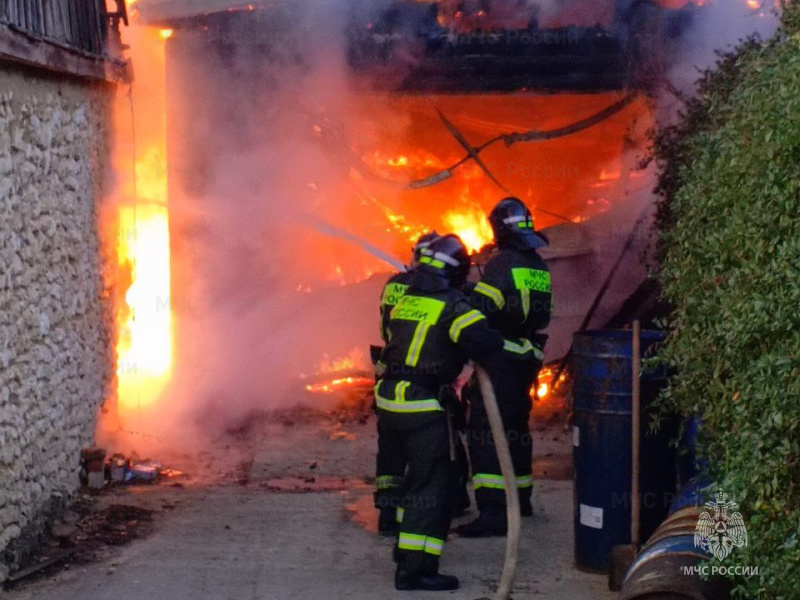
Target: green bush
730	265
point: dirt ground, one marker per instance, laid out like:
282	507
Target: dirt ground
282	511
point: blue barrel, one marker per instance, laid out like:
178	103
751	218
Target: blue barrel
664	569
601	397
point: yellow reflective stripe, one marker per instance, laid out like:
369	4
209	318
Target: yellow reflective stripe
525	481
434	546
388	482
410	541
420	543
411	406
523	348
496	482
427	260
494	294
487	480
401	405
464	321
400	391
420	333
399	514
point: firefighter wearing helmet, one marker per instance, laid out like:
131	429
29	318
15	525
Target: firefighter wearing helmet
391	460
514	293
432	333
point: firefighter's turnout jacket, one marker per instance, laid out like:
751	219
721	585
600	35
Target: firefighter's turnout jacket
515	294
432	332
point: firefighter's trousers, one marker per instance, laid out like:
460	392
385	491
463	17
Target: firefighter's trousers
423	440
512	382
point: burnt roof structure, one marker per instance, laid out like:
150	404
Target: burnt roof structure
409	46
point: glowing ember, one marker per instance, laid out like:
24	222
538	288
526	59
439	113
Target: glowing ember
544	383
415	163
337	384
165	33
347	372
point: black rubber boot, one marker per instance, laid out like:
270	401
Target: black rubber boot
387	522
525	508
430	582
486	525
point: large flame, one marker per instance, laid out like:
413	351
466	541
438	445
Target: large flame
471	225
145	328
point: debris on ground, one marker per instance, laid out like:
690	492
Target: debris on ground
83	533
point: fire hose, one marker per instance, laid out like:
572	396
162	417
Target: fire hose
509	479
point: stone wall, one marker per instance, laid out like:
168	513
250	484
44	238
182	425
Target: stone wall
56	334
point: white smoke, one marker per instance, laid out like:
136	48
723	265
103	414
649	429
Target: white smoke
716	27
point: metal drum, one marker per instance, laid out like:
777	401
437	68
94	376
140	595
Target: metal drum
659	574
602	446
663	569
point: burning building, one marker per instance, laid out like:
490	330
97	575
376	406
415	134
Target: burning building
272	162
287	156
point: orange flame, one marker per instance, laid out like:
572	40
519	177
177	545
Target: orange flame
351	363
145	325
471	225
354	360
337	384
544	383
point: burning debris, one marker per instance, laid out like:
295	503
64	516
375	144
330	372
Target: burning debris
347	379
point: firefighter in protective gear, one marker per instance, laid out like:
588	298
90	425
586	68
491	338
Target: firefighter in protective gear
391	461
515	295
433	333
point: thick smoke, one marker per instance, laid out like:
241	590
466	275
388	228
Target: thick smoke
695	36
264	229
265	225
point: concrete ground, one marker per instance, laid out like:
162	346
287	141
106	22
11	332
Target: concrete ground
296	522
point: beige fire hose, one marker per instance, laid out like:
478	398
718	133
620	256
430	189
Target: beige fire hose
509	478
